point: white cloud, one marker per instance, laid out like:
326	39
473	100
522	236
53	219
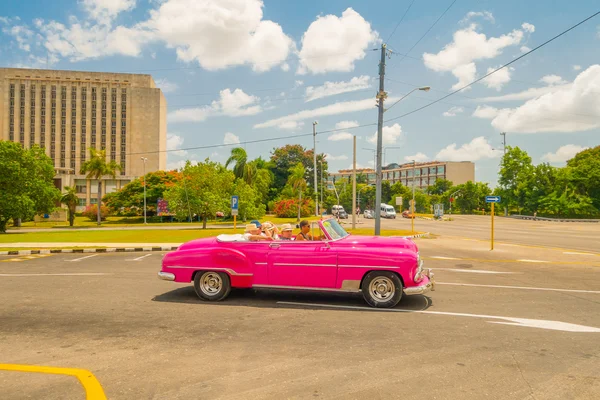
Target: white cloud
419	157
333	88
565	108
485	112
291	125
576	67
530	93
483	14
106	10
336	137
175	142
220	34
498	79
329	157
179	164
476	149
331	109
524	49
553	80
468	46
166	86
231	104
334	43
527	27
22	34
346	124
563	153
453	111
297	84
230	138
285	67
390	135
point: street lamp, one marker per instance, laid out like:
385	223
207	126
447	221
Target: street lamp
379	149
321	202
144	159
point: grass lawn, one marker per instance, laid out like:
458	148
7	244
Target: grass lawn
143	236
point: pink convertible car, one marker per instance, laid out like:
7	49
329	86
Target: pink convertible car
382	268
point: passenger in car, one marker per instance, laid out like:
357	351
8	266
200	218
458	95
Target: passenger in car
253	233
270	230
286	232
305	232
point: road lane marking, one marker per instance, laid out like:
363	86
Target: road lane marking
474	271
82	258
63	274
93	389
444	258
579	253
523	322
139	258
531	261
520	287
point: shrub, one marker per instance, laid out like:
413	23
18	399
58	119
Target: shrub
91	212
288	208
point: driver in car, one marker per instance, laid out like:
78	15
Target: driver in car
305	232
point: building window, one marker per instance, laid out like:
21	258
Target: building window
11	132
441	169
424	171
432	170
82	202
32	116
22	119
103	121
94	200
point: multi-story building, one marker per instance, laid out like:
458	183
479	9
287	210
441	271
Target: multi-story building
425	173
69	112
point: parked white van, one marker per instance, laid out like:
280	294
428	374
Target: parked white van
387	211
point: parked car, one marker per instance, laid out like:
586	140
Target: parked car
387	211
343	214
407	214
368	214
382	269
220	214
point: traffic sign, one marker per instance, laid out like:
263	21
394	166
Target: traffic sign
398	201
235	202
492	199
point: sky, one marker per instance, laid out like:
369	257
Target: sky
236	71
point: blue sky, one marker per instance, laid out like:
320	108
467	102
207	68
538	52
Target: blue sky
239	70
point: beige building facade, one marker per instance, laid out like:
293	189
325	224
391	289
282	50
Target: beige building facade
425	173
69	112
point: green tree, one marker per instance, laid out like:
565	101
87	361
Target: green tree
242	168
131	196
297	181
283	159
584	173
203	190
399	190
97	168
26	183
70	199
440	187
250	202
471	196
515	171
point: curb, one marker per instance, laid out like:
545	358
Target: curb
420	235
99	250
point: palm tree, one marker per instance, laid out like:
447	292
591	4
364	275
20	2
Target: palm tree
70	199
297	182
242	169
96	168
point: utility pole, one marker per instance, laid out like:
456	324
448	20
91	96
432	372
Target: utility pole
354	185
144	159
381	95
315	167
504	147
414	208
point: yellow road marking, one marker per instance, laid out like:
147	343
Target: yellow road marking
93	389
515	261
26	257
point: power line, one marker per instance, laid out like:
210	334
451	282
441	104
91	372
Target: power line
497	69
399	22
427	32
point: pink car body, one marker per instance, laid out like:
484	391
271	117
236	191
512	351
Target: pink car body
339	263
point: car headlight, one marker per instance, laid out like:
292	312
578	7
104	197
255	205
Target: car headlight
419	273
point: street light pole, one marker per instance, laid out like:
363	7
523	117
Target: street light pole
414	208
315	167
144	159
381	95
321	202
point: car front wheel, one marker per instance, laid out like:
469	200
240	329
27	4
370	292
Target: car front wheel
382	289
212	285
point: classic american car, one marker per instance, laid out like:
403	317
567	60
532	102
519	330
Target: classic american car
382	268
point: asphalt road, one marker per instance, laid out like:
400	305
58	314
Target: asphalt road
516	323
584	236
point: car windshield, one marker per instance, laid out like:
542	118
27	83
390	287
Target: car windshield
334	229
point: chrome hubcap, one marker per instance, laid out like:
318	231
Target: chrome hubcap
211	283
382	289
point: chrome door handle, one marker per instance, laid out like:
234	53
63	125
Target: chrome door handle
274	245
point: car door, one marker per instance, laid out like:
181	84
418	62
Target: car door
304	264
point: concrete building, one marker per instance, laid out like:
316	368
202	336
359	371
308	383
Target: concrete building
68	112
426	173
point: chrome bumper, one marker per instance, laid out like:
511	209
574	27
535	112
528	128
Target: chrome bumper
429	286
166	276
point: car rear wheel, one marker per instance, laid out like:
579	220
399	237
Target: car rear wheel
382	289
212	285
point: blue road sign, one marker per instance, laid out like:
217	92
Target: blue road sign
235	202
492	199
